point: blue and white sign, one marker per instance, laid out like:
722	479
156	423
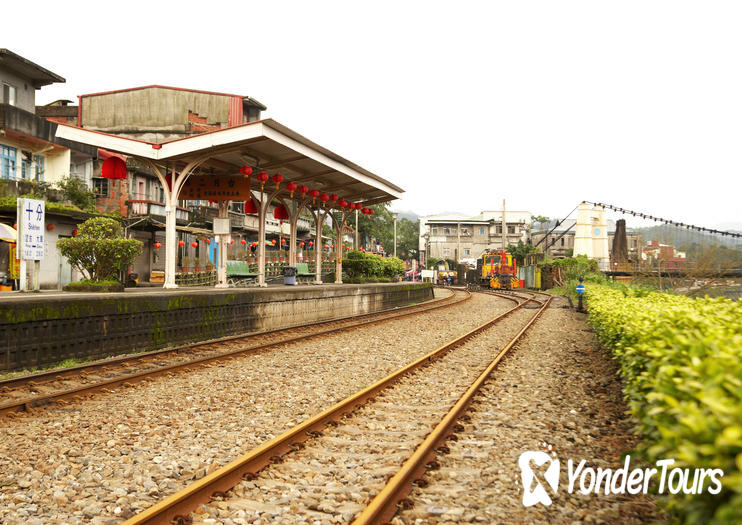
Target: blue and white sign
31	232
580	288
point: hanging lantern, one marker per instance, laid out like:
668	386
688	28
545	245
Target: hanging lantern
255	243
283	241
314	194
50	227
324	198
277	178
311	243
301	244
334	197
370	211
181	243
302	189
246	171
262	177
194	244
74	232
158	245
243	241
280	212
332	246
273	242
113	168
208	241
250	207
325	246
291	186
342	204
231	241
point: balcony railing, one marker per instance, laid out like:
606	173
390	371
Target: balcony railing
156	209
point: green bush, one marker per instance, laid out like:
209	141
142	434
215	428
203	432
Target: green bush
99	251
681	360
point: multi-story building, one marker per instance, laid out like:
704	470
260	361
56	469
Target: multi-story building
464	238
32	159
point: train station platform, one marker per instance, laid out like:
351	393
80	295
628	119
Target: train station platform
44	328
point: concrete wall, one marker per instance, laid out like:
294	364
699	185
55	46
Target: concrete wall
25	94
154	110
39	331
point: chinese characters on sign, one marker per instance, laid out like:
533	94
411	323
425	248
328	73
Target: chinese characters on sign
215	188
31	232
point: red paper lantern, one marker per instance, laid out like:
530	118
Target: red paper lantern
273	242
342	203
301	244
250	207
231	241
181	243
113	168
332	246
291	186
324	197
74	232
158	245
311	243
208	241
370	211
325	246
194	244
243	241
280	212
314	194
283	241
277	178
302	189
50	227
246	170
255	243
262	177
334	197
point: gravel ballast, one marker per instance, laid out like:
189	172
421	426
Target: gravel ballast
102	459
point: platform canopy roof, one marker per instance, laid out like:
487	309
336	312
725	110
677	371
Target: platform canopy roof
265	145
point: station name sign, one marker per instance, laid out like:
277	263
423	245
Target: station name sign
215	188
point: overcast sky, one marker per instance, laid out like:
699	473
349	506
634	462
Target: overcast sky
462	104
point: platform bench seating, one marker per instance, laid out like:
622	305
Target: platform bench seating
240	274
303	274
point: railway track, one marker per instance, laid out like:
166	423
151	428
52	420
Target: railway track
360	441
26	393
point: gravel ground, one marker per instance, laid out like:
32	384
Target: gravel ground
557	387
109	456
334	477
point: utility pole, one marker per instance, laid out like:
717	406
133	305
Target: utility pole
504	228
394	216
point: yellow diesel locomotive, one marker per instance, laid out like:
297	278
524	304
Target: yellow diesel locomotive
497	269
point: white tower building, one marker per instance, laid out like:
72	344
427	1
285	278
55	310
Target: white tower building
591	234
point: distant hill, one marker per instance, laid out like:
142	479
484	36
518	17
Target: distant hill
409	215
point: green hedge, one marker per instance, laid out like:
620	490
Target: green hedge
357	264
681	360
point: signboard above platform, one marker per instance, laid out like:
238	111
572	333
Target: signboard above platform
215	188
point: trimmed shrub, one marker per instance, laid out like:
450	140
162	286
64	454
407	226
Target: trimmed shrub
681	361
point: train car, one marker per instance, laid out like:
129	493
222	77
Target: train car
497	269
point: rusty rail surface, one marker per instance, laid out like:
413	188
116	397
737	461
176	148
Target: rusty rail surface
177	507
394	495
47	399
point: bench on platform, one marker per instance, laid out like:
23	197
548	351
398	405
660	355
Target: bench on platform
239	273
303	274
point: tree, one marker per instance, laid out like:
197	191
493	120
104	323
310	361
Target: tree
100	251
540	220
520	251
76	191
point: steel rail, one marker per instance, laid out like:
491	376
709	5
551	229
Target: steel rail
176	507
47	399
386	503
97	365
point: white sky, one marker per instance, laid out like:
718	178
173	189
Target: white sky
462	104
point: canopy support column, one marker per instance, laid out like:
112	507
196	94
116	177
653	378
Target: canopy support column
265	202
221	262
172	190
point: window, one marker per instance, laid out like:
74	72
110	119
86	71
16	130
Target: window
446	251
467	251
498	229
465	231
26	157
447	231
101	187
435	231
39	164
511	229
7	162
481	231
562	241
9	94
